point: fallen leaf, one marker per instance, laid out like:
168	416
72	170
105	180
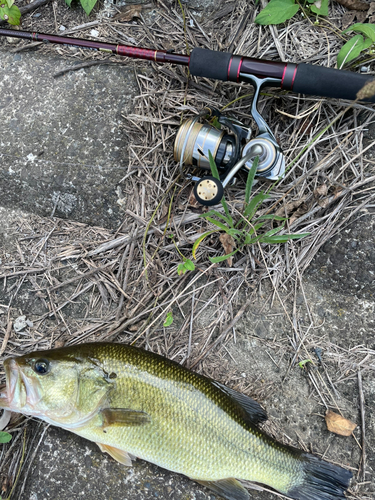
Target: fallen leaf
228	244
361	16
130	12
134	328
338	424
324	203
293	209
321	190
192	201
354	4
347	19
301	210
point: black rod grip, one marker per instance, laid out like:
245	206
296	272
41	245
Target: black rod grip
209	63
329	82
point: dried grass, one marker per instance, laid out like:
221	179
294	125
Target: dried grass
96	284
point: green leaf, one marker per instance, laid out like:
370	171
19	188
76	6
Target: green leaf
320	7
235	232
271	232
168	319
282	238
304	362
189	265
217	223
277	11
10	14
9	3
226	210
5	437
68	2
366	29
215	174
255	228
214	260
213	166
216	214
352	49
271	217
88	5
273	240
253	205
181	268
199	241
215	123
250	179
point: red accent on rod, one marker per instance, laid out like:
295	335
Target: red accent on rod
136	52
282	79
239	70
294	76
229	66
160	56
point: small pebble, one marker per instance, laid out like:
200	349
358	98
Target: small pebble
19	323
13	40
94	33
62	28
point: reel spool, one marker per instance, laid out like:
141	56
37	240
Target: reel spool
201	138
232	149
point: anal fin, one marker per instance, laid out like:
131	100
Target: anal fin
229	488
120	455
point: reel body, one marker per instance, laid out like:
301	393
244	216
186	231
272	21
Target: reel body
232	148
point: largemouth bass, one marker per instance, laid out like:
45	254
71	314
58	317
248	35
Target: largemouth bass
134	403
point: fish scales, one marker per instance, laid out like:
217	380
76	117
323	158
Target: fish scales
131	400
194	428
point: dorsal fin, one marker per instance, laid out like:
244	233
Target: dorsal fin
254	413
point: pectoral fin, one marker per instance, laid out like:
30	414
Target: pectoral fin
230	489
120	455
117	417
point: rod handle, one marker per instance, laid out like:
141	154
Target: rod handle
209	63
328	82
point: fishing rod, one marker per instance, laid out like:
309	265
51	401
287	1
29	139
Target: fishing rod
234	150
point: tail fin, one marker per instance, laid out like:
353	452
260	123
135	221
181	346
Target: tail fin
322	481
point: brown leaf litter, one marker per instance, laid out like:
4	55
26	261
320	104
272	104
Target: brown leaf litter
338	424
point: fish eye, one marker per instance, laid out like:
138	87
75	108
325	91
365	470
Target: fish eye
41	366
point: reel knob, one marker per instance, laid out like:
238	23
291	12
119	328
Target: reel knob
208	191
265	150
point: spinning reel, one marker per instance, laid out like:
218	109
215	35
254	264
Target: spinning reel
232	150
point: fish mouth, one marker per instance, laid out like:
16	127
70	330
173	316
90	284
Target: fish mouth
19	393
3	397
15	391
